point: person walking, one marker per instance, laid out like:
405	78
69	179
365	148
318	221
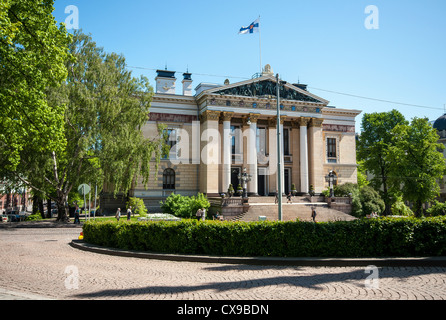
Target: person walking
76	215
129	212
289	198
313	214
118	214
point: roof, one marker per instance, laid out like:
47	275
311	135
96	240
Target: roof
440	123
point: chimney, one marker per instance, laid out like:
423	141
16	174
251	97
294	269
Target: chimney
165	81
187	84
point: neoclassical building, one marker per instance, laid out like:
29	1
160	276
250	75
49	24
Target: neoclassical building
221	129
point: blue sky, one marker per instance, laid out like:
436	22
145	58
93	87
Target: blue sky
322	43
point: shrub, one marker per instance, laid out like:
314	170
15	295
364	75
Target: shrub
183	206
381	237
34	217
400	209
138	206
438	209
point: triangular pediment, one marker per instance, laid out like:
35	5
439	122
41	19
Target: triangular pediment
265	87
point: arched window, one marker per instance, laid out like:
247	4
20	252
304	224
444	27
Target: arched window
169	179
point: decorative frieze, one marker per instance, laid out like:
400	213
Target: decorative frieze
171	117
338	128
263	104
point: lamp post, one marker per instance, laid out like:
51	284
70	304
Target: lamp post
331	178
279	151
245	178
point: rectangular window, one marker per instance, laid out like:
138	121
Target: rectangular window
286	142
331	150
235	139
261	140
171	141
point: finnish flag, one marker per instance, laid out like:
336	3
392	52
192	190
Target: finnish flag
253	27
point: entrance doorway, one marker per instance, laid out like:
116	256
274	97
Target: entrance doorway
234	177
262	182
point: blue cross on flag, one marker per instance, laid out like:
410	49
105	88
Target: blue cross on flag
253	27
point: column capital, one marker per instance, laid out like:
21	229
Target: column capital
253	117
316	122
272	122
227	115
303	121
210	115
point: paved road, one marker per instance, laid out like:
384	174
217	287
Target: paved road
40	263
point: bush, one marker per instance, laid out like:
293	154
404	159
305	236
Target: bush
183	206
34	217
138	206
438	209
365	200
400	209
381	237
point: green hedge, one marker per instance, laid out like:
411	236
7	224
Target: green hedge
383	237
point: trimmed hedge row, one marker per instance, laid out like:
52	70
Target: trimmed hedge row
383	237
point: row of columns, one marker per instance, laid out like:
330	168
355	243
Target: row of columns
251	149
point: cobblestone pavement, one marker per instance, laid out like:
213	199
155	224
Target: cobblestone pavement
40	263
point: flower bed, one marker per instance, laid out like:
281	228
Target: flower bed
159	217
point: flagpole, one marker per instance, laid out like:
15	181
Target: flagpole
260	47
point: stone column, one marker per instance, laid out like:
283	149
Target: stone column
272	158
316	155
252	153
304	177
227	151
282	158
210	153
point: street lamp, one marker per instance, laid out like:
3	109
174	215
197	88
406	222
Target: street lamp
331	179
245	178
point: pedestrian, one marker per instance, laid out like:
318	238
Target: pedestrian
118	214
199	214
313	214
129	212
289	198
76	215
203	216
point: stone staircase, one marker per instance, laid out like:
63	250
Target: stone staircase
300	208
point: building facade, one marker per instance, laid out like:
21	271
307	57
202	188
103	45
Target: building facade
221	129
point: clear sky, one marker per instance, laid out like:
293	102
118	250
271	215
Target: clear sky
322	43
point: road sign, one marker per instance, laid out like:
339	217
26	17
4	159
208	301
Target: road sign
83	189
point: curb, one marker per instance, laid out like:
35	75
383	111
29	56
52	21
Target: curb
269	261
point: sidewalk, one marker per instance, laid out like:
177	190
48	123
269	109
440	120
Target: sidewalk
15	295
313	262
47	223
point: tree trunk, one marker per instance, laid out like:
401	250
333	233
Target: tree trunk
48	208
35	204
62	207
40	205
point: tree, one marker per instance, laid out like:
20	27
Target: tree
33	50
374	144
106	109
417	160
